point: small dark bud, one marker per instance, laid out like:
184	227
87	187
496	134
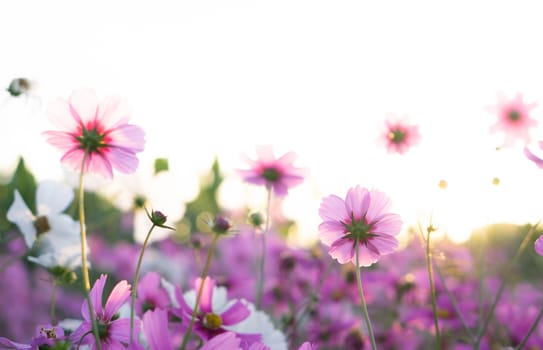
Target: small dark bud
158	218
256	219
220	225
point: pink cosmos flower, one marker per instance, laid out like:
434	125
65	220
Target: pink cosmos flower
275	173
362	222
399	135
99	129
513	119
114	331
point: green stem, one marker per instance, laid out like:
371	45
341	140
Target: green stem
53	303
532	329
135	286
262	275
362	298
432	288
200	290
84	267
511	264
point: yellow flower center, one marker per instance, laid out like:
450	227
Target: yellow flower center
212	321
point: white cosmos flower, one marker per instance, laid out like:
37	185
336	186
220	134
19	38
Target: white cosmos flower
55	234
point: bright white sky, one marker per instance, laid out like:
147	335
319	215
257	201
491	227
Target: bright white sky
216	78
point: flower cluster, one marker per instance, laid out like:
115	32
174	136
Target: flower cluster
228	279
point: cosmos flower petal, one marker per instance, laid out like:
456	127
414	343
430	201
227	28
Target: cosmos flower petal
357	202
123	160
96	298
389	222
59	114
98	163
384	244
235	313
330	231
19	214
120	329
128	136
114	111
367	255
333	209
223	341
265	153
82	334
83	105
155	327
73	159
61	140
53	197
342	250
537	161
379	203
118	296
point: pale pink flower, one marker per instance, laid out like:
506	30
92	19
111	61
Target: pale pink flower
277	174
99	129
513	119
362	217
399	135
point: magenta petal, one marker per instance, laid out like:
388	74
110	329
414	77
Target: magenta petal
223	341
330	231
379	203
128	136
96	298
538	161
120	329
235	314
99	164
155	326
182	303
367	255
119	295
538	245
114	111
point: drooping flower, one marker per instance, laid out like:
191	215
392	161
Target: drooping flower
513	119
399	135
114	330
56	232
360	222
98	129
277	174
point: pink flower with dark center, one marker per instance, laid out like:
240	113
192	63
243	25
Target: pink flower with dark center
513	119
399	135
98	129
277	174
114	331
360	222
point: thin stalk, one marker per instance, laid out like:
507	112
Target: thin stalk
432	288
532	329
200	290
53	304
84	267
362	298
261	277
135	286
453	301
511	264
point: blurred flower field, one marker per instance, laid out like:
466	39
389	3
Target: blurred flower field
79	271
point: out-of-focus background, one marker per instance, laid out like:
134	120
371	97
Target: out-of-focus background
212	79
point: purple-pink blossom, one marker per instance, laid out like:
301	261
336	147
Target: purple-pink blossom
114	331
399	135
96	130
514	119
360	222
277	174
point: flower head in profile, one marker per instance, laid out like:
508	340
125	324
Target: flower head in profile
50	226
45	338
114	330
96	130
360	222
513	119
277	174
399	135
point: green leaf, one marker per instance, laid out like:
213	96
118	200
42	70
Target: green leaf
161	164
